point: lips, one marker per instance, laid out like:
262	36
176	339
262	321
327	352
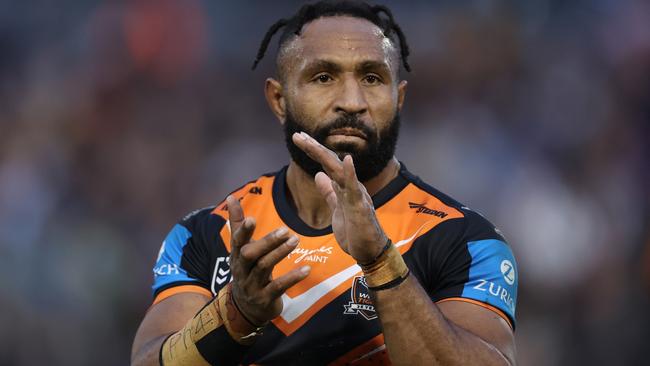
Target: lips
348	131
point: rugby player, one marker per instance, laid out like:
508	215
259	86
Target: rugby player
343	256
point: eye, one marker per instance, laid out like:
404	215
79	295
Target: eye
372	79
323	78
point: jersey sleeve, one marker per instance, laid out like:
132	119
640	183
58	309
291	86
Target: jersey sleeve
469	260
184	256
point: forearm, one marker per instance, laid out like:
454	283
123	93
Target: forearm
216	334
149	353
416	332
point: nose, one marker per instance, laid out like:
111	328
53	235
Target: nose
351	98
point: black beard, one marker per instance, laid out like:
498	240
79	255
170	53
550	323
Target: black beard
368	162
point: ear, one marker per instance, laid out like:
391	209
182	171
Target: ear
401	94
275	98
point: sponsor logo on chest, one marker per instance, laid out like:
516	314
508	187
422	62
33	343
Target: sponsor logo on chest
319	255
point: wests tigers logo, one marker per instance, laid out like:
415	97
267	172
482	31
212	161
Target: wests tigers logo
361	302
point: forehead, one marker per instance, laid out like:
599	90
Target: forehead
341	38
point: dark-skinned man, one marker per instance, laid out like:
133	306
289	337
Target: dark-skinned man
343	256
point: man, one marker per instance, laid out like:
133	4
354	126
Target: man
343	257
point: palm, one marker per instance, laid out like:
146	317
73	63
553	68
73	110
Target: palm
340	229
355	225
354	222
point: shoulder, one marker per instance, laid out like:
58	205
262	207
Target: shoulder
216	215
465	258
252	193
463	222
204	223
196	217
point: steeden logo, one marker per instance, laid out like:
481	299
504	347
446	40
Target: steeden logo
421	208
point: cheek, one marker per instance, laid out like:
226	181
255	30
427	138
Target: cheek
308	107
383	108
302	113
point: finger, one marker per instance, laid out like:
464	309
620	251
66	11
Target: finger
265	264
352	187
241	228
324	186
235	213
238	239
350	173
242	235
321	154
281	284
251	252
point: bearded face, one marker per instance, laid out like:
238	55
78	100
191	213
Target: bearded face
370	158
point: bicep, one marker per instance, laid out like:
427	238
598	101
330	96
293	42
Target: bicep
483	323
164	318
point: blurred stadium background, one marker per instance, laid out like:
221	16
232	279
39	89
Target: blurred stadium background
118	117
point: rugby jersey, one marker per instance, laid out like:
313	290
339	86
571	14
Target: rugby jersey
329	318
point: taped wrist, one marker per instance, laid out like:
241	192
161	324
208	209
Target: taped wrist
387	271
217	335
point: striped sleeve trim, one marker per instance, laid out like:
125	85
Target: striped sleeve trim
180	289
481	304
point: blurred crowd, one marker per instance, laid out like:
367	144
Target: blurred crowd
118	117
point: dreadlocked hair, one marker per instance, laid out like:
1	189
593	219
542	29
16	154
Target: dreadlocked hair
358	9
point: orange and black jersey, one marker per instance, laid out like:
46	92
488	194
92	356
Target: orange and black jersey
328	318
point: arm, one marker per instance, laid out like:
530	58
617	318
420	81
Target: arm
188	330
163	319
416	331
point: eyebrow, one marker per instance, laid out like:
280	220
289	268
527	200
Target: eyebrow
375	66
322	65
333	67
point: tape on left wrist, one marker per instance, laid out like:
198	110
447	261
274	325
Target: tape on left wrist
217	335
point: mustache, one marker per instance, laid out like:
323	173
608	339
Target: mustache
369	160
345	121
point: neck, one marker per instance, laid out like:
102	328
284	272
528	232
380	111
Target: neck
311	206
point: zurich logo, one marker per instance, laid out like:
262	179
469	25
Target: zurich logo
508	271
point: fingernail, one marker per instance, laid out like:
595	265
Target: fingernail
305	269
299	135
281	231
293	241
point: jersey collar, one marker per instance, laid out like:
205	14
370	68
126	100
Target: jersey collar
287	211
